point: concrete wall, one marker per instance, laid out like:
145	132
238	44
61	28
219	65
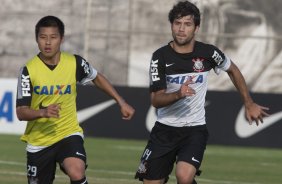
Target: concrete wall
118	36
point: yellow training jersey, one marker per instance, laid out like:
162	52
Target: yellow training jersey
50	87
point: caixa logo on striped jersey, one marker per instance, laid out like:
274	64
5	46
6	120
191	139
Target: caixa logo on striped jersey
183	78
6	106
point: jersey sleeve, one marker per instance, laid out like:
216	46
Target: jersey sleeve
24	88
157	72
84	71
220	60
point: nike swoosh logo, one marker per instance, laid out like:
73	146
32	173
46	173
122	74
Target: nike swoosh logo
167	65
84	114
41	106
79	154
195	160
44	107
243	128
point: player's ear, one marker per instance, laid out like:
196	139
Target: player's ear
197	29
62	39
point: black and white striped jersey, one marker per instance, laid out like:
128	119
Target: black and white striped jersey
169	69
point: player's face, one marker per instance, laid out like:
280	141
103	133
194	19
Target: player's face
49	41
183	30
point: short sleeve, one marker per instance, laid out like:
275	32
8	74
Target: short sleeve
220	60
24	88
224	66
157	72
84	71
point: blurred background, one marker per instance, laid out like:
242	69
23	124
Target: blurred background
119	36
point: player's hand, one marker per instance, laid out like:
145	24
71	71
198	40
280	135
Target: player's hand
255	112
127	111
51	111
186	90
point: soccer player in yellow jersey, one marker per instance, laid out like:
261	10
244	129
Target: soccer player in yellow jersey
47	100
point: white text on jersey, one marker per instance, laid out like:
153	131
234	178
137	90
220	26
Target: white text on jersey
217	58
25	85
154	70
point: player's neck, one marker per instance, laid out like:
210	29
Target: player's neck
182	49
52	60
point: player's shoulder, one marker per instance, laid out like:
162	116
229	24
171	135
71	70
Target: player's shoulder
206	46
75	57
32	61
163	48
67	55
79	57
205	49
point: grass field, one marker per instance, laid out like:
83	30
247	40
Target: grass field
115	161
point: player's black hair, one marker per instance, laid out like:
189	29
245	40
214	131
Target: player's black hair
182	9
50	21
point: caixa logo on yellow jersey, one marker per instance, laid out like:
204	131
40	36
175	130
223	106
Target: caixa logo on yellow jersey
52	90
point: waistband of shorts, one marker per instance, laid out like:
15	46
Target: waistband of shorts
184	127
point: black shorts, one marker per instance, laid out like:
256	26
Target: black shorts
41	166
168	145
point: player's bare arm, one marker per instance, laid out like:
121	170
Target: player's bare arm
126	110
161	98
25	113
253	111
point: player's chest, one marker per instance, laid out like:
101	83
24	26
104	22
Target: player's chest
181	65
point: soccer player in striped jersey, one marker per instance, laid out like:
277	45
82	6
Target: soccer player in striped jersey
178	85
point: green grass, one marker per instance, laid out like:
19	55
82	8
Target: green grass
115	161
